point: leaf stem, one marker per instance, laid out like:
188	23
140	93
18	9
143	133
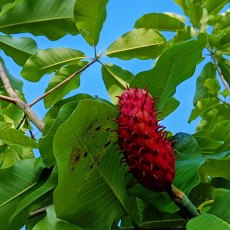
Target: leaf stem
205	204
19	102
38	212
187	208
63	82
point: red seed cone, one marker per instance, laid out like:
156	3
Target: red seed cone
143	142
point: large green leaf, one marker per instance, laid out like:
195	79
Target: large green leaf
188	161
220	209
46	142
139	43
53	20
174	66
38	193
52	222
89	168
160	21
116	80
15	182
15	137
90	16
20	49
217	166
214	6
59	77
207	221
48	61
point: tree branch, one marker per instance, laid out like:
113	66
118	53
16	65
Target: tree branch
9	99
19	102
63	82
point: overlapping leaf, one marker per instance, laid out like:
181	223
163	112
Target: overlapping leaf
139	43
53	20
15	182
89	168
163	79
116	80
48	61
20	49
214	6
15	137
160	21
89	17
59	77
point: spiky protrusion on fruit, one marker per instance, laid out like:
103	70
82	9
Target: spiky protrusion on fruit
143	142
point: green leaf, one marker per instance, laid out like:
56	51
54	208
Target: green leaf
193	9
202	88
52	222
20	49
89	168
224	65
53	20
15	182
90	16
53	111
48	61
24	206
184	34
162	80
116	80
223	22
220	209
189	160
59	77
214	6
170	106
216	167
160	21
207	221
139	43
16	137
46	142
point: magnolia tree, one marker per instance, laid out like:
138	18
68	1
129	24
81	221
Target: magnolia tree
110	164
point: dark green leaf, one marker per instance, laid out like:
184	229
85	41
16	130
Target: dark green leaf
160	21
140	43
116	80
59	77
15	137
89	168
162	80
224	65
20	49
48	61
53	20
90	16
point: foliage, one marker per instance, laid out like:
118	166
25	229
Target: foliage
77	182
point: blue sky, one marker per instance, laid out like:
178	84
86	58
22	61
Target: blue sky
121	16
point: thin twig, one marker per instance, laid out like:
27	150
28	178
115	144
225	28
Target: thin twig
9	99
19	102
63	82
215	63
38	212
